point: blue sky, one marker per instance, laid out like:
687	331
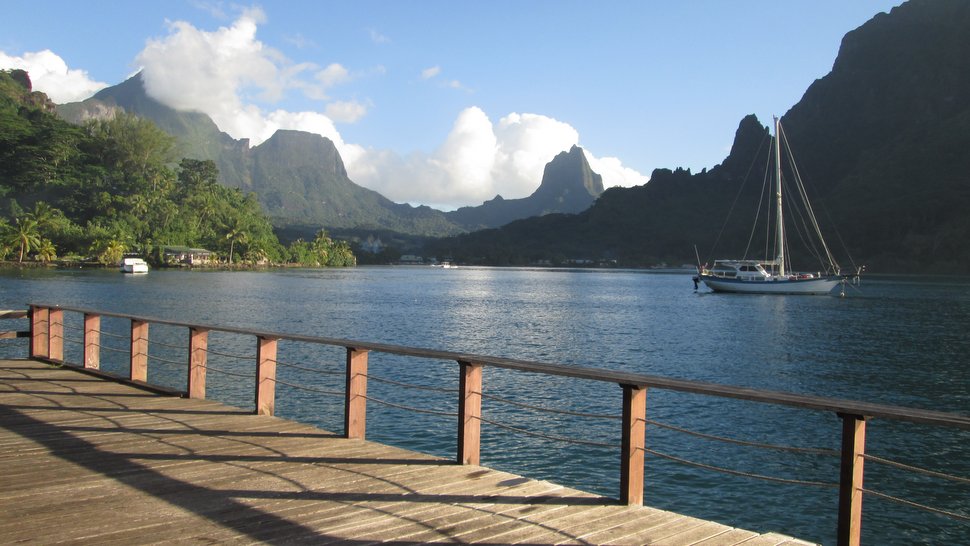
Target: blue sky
449	103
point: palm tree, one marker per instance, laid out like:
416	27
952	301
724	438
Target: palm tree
236	230
46	251
44	214
110	251
27	235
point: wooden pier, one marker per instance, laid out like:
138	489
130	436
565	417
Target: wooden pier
87	460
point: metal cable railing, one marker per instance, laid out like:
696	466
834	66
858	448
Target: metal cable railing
410	385
939	511
739	472
230	355
308	389
715	468
573	441
306	369
916	469
846	409
227	372
549	410
552	437
792	449
153	343
156	358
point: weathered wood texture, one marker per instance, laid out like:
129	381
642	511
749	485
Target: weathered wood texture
91	461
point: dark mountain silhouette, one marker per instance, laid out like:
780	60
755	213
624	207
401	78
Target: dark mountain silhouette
881	141
568	185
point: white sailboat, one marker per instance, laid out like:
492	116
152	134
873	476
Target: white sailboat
775	276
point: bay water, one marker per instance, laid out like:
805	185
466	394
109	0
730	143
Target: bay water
892	340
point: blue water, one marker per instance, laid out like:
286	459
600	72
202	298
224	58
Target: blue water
896	340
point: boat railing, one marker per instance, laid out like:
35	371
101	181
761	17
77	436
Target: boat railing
47	343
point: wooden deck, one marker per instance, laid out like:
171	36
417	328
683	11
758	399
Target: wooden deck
91	461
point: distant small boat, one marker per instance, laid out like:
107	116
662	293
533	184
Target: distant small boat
444	265
134	265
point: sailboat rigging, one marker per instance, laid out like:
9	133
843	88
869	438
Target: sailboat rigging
775	275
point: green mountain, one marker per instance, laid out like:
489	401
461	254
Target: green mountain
568	185
298	177
881	141
302	184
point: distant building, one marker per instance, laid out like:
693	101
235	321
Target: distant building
410	259
183	255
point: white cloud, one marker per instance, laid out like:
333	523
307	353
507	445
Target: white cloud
228	72
479	160
50	74
346	111
332	75
377	37
225	73
614	173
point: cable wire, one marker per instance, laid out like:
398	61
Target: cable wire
409	408
916	469
547	436
739	472
947	513
812	450
549	410
412	385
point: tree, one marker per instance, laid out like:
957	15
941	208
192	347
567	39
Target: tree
46	251
26	234
109	251
236	231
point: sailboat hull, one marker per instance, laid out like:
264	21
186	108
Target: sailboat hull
816	286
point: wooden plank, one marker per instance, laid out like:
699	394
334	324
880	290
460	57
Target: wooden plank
850	480
728	538
469	413
55	320
266	375
198	358
39	332
138	369
92	341
355	406
632	444
97	462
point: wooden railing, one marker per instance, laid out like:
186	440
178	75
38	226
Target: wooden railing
47	344
12	334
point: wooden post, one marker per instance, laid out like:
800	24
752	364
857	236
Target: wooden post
92	341
139	351
469	413
355	407
55	320
850	479
633	444
266	375
39	332
198	347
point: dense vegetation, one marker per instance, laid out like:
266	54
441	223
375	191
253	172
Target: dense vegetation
111	187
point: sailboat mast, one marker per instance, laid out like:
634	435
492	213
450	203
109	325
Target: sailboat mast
779	222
